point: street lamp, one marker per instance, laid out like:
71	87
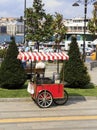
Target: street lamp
57	38
24	21
85	15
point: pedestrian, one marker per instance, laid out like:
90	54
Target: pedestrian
40	65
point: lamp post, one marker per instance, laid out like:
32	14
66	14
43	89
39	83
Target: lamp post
84	37
57	49
24	21
85	15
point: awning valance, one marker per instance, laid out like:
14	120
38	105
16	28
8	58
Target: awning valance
36	56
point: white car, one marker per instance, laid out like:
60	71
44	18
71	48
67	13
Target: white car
47	49
88	51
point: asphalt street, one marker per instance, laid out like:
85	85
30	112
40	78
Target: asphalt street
26	115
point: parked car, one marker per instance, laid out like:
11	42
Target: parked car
48	49
88	51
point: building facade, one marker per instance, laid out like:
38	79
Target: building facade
11	26
75	26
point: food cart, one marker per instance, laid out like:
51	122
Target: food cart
46	90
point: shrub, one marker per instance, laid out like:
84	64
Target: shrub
12	74
75	71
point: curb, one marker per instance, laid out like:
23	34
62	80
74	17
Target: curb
82	98
28	99
15	99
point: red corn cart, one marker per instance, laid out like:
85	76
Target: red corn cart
46	90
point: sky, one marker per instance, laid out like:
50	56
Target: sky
15	8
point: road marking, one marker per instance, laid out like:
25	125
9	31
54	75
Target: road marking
65	118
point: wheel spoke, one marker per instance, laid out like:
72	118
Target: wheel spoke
44	99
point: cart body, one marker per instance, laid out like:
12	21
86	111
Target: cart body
46	94
56	90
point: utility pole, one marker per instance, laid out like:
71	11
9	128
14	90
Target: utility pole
24	21
84	37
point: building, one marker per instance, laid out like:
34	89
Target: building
11	26
15	28
75	26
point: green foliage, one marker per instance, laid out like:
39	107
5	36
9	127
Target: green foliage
2	53
12	74
41	26
91	27
34	21
92	24
59	29
47	27
75	71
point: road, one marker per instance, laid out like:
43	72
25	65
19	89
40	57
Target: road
26	115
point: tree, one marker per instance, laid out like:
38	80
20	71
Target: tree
74	70
91	27
48	30
12	74
59	28
92	24
59	32
2	53
34	17
38	23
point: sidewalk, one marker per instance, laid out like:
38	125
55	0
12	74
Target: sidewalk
53	68
28	99
92	73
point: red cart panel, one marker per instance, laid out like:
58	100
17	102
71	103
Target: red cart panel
57	90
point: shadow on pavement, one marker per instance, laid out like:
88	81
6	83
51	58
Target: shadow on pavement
72	100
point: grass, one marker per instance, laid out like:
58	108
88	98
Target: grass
14	93
5	93
20	93
82	92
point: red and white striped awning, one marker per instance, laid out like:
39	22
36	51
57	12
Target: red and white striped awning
36	56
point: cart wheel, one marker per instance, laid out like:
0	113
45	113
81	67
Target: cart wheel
44	99
62	101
